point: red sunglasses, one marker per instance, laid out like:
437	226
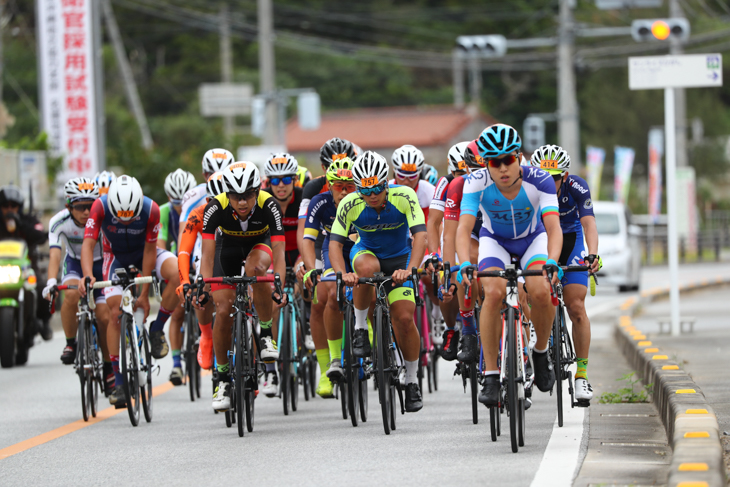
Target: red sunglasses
507	160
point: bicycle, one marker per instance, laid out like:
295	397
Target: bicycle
88	364
135	357
244	380
387	357
191	341
291	354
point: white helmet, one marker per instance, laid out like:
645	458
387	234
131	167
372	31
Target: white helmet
552	158
281	164
241	176
457	156
125	198
216	159
370	169
80	189
103	180
408	159
178	183
214	186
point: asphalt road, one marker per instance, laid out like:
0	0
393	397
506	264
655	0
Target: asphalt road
187	444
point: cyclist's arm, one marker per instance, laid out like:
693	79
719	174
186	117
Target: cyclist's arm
591	233
449	250
463	237
54	261
339	233
554	234
419	248
187	243
207	257
435	217
164	224
336	258
303	212
149	258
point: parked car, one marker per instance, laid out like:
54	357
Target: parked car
618	246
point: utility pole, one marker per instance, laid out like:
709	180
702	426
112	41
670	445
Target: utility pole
680	100
98	86
130	86
267	70
458	77
2	46
568	116
226	65
475	82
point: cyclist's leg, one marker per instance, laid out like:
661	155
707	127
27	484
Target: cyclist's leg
166	269
71	275
332	317
365	264
113	296
258	261
575	287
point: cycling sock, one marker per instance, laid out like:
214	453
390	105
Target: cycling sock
162	316
335	349
223	372
467	322
537	350
490	372
582	366
206	330
176	358
411	372
361	316
107	369
270	367
118	379
70	342
323	359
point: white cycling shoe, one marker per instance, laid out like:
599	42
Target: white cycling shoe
271	384
269	352
222	397
583	392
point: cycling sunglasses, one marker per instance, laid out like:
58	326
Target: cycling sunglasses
10	204
410	176
82	207
507	160
557	177
251	193
285	180
175	202
372	190
341	185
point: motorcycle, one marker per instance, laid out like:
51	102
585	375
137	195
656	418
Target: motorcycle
18	302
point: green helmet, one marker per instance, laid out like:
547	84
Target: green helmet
340	170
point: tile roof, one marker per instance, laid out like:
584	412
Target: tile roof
373	128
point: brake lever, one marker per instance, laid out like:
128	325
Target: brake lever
277	290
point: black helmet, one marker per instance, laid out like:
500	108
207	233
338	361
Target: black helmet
11	194
336	148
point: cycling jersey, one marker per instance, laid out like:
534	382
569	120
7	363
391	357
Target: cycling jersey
263	220
63	227
291	219
193	227
439	194
510	219
452	205
424	191
319	222
170	226
192	199
314	187
126	242
575	203
385	234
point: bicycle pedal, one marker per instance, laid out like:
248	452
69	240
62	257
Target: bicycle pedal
582	403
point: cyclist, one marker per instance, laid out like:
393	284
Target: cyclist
304	175
16	224
430	174
408	164
576	220
250	222
177	183
103	180
68	225
188	239
323	209
130	223
520	213
382	217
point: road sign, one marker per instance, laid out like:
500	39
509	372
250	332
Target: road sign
308	108
225	99
258	154
683	71
622	4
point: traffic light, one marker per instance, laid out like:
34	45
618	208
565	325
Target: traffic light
483	46
660	29
533	133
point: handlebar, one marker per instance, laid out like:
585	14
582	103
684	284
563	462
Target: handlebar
276	279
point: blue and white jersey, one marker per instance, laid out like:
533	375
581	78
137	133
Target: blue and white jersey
575	203
192	199
510	219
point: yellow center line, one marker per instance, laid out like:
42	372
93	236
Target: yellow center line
77	425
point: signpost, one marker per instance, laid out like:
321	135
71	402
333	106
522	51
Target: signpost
669	72
225	99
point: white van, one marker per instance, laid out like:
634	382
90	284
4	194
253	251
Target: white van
618	246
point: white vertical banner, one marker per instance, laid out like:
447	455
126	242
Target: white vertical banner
656	151
65	44
687	224
594	168
623	164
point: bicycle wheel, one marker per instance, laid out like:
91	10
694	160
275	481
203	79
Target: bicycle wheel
521	422
493	421
510	348
239	377
81	366
95	373
304	376
130	372
435	372
251	374
557	364
421	345
474	386
312	379
190	354
285	354
146	387
363	398
352	371
383	369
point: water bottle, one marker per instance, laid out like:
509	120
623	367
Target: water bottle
139	317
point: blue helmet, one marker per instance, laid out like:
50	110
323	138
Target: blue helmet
498	139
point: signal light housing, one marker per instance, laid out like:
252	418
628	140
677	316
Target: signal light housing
659	30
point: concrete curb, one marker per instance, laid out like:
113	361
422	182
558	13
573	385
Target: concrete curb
690	422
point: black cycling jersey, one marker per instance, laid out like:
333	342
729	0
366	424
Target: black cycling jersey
264	220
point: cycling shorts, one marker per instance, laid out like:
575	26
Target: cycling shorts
497	252
573	253
72	272
327	265
396	292
111	263
230	259
290	256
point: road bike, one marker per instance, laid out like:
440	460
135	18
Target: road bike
88	364
191	341
292	352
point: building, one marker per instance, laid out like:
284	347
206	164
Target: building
433	129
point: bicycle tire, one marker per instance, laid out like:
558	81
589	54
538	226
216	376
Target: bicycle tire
96	370
435	373
312	379
363	399
510	348
81	362
251	384
557	364
521	422
229	418
190	355
421	345
130	374
393	390
384	391
493	421
304	376
238	379
474	386
352	371
285	354
146	389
